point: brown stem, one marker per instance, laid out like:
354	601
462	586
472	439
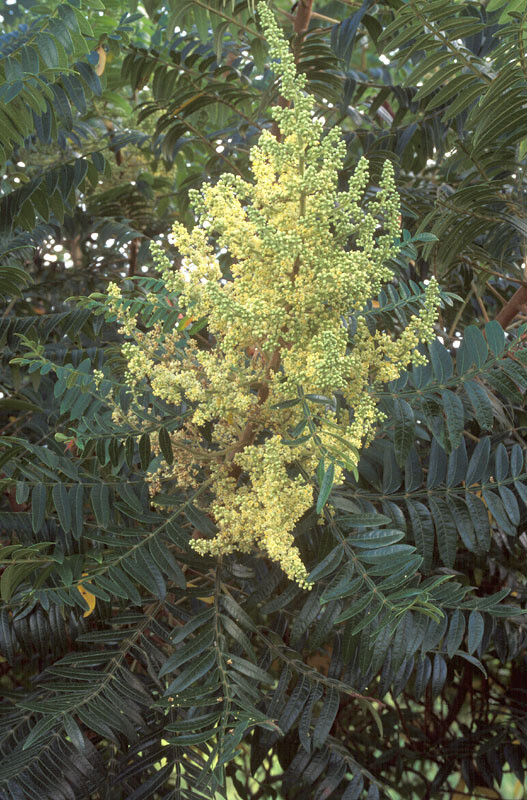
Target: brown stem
76	251
110	127
463	689
132	261
249	431
512	307
302	18
9	307
300	26
229	59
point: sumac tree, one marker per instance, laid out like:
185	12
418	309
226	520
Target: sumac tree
264	485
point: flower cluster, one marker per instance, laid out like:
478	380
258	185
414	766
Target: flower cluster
279	326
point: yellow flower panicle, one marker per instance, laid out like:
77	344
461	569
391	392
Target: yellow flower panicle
280	326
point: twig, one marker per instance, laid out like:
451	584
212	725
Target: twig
481	305
462	307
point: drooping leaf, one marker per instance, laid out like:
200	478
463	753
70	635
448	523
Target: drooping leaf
445	531
404	425
38	506
325	487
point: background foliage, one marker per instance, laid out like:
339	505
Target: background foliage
132	668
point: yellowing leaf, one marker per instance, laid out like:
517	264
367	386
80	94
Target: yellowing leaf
184	322
479	791
87	596
186	103
101	64
208	600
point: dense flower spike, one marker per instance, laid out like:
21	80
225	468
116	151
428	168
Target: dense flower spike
280	327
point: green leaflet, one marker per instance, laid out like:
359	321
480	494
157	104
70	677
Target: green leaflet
455	416
464	523
371	540
423	531
457	465
325	487
166	445
61	501
326	718
327	565
495	337
142	569
441	361
192	674
199	619
166	561
12	577
191	650
404	426
295	704
306	616
38	506
355	608
473	350
41	729
480	403
305	720
144	450
455	633
365	520
476	627
249	669
100	500
446	533
477	468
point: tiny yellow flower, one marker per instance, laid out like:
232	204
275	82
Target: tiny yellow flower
279	326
